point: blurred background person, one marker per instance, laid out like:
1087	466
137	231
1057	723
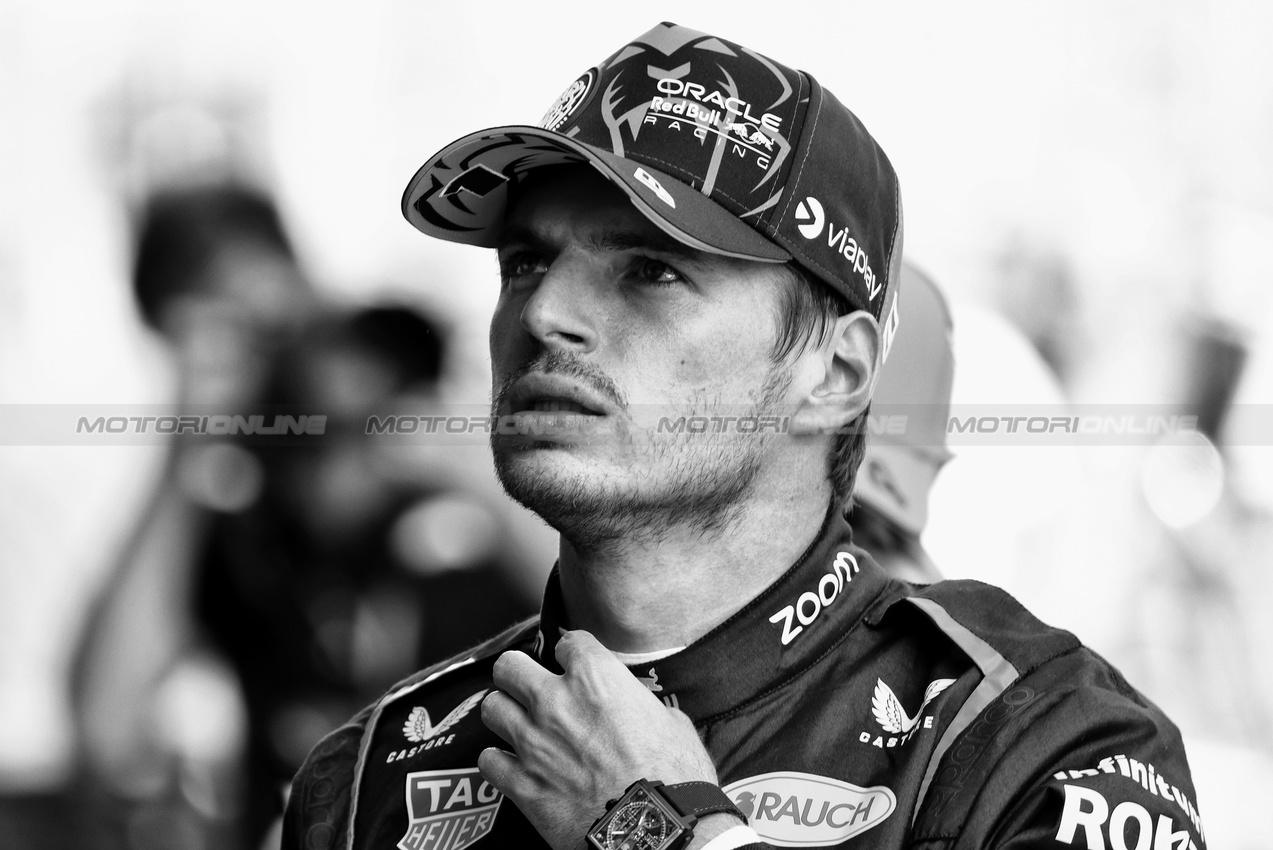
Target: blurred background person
906	446
159	717
215	274
278	583
348	571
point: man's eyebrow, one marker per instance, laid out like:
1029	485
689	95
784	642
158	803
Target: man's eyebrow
522	235
652	240
608	240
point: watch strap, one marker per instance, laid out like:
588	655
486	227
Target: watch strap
696	799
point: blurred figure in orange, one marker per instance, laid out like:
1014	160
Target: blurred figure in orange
906	447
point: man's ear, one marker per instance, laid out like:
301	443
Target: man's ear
850	362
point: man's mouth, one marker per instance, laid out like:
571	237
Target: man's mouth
558	405
549	393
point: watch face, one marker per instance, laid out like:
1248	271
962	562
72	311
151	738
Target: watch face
637	822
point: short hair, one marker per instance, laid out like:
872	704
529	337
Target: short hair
180	231
408	345
410	339
807	312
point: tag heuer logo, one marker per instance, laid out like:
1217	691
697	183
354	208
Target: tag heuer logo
418	727
448	809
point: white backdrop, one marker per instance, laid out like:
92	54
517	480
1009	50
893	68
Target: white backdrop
1129	138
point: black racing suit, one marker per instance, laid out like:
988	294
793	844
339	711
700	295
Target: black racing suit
839	705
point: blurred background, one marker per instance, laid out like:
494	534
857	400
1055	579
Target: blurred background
200	212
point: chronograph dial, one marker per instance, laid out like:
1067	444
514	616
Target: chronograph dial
654	816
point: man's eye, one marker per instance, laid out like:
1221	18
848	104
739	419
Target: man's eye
657	272
521	265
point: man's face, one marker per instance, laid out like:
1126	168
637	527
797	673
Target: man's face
607	331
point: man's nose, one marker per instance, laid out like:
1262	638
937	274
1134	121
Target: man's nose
562	312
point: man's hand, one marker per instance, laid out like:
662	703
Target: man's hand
581	738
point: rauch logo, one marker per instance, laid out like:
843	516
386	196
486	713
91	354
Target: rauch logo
791	809
448	809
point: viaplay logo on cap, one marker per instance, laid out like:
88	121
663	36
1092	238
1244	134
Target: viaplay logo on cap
839	240
448	809
791	809
810	208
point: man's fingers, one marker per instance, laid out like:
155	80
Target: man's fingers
520	677
591	669
505	716
499	768
580	647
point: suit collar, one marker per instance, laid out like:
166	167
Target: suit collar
782	631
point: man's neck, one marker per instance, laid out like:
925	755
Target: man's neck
643	596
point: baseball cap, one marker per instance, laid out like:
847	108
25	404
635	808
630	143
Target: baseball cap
726	150
898	469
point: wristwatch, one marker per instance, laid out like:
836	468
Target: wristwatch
654	816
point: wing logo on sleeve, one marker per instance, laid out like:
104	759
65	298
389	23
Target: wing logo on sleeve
892	716
418	728
448	809
791	809
888	710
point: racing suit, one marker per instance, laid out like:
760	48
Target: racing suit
839	705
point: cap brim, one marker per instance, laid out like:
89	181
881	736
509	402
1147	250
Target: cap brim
461	194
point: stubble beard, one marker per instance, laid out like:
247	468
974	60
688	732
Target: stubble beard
694	482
